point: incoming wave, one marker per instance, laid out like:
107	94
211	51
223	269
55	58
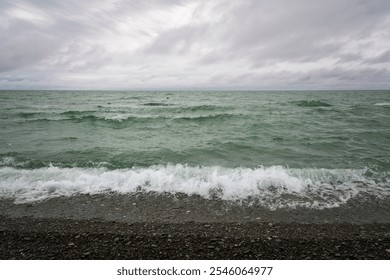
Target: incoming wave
157	104
311	103
272	187
205	108
384	104
122	118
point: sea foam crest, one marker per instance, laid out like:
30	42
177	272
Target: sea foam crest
272	187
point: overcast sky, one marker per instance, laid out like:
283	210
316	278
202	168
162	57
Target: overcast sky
187	44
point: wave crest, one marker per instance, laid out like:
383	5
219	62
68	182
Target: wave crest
272	187
312	103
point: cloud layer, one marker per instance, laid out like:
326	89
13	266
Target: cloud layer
165	44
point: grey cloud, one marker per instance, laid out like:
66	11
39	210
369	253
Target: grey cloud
15	79
318	79
177	40
365	78
263	32
26	43
225	43
300	30
212	57
349	57
382	58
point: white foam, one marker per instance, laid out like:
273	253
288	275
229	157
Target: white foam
383	104
272	187
119	118
11	161
7	161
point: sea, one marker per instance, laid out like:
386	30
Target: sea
272	149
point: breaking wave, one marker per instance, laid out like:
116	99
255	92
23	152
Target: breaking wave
123	118
272	187
383	104
311	103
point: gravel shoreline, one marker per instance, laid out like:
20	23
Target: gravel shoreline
147	226
30	238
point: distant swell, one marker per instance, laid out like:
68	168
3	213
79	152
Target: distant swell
29	114
272	187
211	117
312	103
122	118
156	104
75	113
205	108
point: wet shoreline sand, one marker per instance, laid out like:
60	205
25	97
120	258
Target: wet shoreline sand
145	226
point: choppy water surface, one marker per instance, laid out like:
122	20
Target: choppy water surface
277	149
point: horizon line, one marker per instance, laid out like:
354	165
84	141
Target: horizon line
196	89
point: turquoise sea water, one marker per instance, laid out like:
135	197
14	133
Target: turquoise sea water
284	149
